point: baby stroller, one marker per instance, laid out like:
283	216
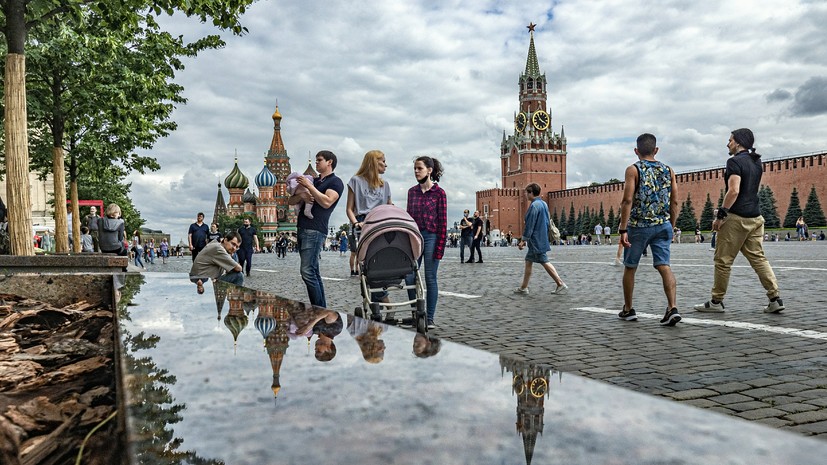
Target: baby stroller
387	252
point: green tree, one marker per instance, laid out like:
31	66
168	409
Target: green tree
563	225
766	201
21	17
228	223
706	214
110	188
578	225
793	211
601	217
687	221
813	214
554	218
572	226
611	219
721	199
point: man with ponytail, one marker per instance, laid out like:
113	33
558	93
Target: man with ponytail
740	225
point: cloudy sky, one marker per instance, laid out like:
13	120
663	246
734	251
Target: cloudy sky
440	78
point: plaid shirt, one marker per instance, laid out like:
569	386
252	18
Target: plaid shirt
430	211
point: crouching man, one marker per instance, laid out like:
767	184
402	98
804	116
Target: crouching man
215	261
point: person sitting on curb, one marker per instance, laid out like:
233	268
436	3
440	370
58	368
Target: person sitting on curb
215	261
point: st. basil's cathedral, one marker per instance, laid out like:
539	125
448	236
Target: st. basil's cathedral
269	206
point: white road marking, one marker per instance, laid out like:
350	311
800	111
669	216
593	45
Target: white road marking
456	294
808	333
334	279
266	271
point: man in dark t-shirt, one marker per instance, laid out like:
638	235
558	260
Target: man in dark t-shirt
249	244
324	191
197	235
740	225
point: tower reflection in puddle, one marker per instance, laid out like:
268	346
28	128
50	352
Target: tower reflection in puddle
530	383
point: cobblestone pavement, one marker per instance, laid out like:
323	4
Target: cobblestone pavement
770	368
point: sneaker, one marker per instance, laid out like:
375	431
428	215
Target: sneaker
561	289
431	324
710	307
407	323
627	315
520	290
470	261
671	318
774	307
479	261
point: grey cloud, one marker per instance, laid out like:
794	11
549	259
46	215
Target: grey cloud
779	95
811	97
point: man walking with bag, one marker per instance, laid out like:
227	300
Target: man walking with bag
536	235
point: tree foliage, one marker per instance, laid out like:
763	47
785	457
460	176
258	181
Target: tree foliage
228	223
813	214
611	220
793	210
766	202
687	221
707	214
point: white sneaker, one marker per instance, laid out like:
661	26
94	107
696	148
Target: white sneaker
774	307
710	307
520	290
561	289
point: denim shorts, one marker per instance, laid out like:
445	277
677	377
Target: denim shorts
658	238
536	257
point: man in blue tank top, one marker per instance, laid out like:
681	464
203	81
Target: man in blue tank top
740	225
647	219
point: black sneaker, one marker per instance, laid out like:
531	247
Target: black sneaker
671	318
407	322
627	315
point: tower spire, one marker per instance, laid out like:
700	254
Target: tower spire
276	145
532	66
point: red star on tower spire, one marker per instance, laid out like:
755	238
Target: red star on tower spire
531	27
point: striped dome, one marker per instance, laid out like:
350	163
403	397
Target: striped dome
265	325
248	197
236	324
266	178
236	179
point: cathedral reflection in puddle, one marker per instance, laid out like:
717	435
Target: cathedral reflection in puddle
310	385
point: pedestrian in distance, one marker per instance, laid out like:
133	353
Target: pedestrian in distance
466	235
476	238
740	225
249	244
647	219
324	191
428	206
535	236
197	235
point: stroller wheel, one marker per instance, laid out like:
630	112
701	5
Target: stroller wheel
421	324
420	308
376	315
359	312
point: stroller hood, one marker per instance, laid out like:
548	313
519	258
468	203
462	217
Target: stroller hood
387	218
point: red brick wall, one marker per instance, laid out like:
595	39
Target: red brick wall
781	175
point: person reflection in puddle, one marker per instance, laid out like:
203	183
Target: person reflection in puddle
367	334
426	346
199	285
326	324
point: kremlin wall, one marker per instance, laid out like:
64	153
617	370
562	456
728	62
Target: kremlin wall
535	153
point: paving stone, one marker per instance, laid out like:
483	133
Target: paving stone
762	382
702	403
813	394
693	394
744	406
773	421
728	388
761	393
730	398
807	417
796	407
819	427
760	413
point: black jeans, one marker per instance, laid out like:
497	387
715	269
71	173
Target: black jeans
476	246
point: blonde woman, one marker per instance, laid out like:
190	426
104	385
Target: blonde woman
365	190
111	231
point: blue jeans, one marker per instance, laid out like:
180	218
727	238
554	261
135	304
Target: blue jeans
310	246
464	241
431	267
245	257
233	277
138	261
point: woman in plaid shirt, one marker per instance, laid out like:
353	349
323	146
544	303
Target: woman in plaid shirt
428	206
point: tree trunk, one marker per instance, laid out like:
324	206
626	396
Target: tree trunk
61	228
17	157
76	219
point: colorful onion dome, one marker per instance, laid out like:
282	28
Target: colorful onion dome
266	178
248	197
236	179
265	325
235	323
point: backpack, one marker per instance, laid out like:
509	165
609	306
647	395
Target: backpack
553	232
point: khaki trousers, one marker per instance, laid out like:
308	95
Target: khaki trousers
745	235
